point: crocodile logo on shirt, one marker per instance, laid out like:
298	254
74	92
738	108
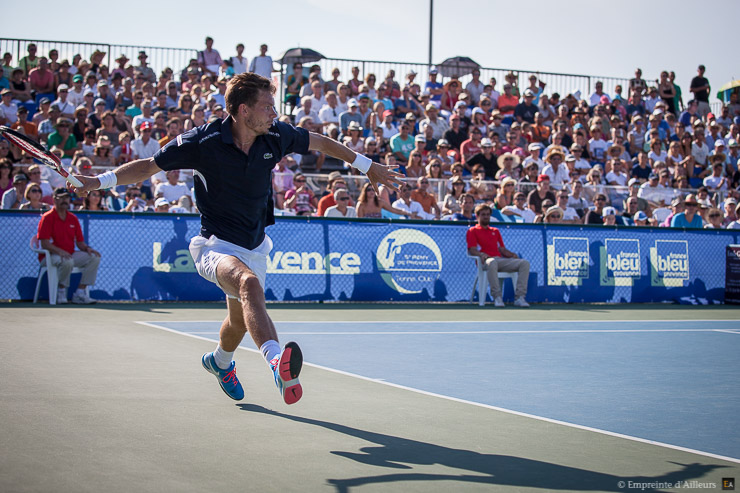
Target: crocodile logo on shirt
268	155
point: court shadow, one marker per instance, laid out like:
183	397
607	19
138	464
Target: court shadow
401	454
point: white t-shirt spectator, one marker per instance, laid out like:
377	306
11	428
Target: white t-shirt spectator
712	182
526	214
9	113
582	164
172	193
700	153
262	65
334	211
239	66
569	214
413	208
143	151
655	194
138	120
597	149
558	177
620	178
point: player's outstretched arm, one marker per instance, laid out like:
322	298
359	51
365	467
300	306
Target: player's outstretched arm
131	172
376	173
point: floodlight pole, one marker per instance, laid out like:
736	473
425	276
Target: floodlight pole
431	10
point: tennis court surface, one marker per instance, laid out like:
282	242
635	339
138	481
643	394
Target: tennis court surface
397	398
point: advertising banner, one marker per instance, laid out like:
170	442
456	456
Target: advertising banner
732	275
146	257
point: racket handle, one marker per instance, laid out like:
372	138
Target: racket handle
74	181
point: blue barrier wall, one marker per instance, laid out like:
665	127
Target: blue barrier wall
145	257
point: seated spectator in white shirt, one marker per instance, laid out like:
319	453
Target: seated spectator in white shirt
716	181
342	209
172	189
617	176
534	157
144	147
569	213
306	109
389	128
652	191
519	208
556	168
329	113
411	207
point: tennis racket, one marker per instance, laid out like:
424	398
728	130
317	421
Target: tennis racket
37	151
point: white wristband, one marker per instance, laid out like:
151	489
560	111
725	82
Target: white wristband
362	163
107	180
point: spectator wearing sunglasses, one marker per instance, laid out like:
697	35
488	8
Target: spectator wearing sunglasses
595	215
342	207
690	218
519	208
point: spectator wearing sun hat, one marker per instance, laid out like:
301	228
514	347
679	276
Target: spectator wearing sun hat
439	125
556	169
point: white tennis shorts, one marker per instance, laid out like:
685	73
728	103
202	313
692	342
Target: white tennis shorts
208	252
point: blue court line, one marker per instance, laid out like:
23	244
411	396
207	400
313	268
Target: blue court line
670	382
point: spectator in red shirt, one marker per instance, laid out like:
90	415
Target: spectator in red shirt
472	146
496	257
59	231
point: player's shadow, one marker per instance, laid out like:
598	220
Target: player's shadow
402	454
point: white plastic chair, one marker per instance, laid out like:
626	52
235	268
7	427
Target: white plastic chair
481	281
46	267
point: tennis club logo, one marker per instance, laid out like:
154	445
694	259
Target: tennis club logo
567	261
409	261
620	262
669	262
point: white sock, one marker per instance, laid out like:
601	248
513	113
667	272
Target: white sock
223	358
270	350
80	292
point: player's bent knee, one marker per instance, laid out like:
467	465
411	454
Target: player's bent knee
248	285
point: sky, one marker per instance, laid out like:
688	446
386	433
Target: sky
590	37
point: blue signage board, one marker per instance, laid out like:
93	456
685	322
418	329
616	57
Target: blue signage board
146	257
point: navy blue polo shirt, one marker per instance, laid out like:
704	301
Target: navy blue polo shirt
233	190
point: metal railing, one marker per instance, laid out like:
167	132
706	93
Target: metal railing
159	57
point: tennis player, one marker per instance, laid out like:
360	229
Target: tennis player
232	161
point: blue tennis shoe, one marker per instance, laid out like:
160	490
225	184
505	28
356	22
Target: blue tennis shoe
226	378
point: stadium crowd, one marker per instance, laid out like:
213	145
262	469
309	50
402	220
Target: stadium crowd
641	156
